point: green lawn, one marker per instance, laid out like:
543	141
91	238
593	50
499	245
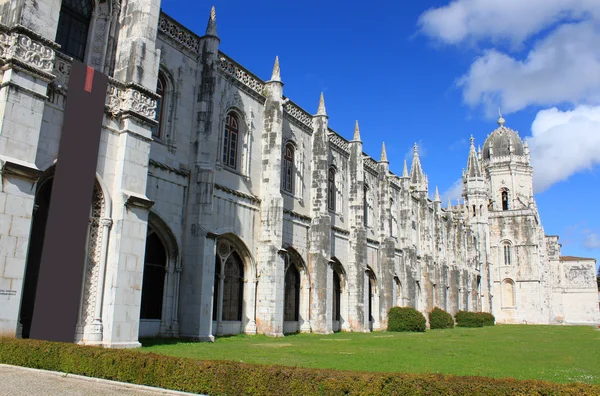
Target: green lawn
554	353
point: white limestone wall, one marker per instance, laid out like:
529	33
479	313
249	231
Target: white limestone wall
246	177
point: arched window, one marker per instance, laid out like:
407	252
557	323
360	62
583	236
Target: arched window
288	168
507	254
331	189
504	199
73	26
366	206
153	281
233	288
292	292
161	89
337	296
230	141
474	211
508	293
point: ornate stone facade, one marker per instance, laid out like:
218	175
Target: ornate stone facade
223	207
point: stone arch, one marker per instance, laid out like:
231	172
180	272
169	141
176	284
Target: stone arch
296	292
372	297
89	323
233	297
158	310
398	300
339	291
508	293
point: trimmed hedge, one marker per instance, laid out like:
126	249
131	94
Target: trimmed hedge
440	319
474	319
406	319
488	318
468	319
233	378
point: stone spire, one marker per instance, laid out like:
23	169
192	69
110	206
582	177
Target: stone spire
449	203
211	28
383	157
405	170
437	196
321	110
473	167
356	132
276	75
416	172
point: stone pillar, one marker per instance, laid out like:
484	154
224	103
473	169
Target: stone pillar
387	247
199	240
357	254
271	266
136	66
320	229
27	55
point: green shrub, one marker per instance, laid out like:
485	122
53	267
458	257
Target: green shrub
235	378
440	319
488	318
468	319
406	319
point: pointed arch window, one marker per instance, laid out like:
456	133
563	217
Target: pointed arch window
230	140
161	89
233	288
288	168
73	26
153	279
292	291
331	189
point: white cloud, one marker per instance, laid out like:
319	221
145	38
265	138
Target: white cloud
592	241
514	20
564	143
562	67
453	193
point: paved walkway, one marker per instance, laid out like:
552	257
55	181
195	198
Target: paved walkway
21	381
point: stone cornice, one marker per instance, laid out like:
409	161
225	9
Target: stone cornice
178	171
297	215
237	193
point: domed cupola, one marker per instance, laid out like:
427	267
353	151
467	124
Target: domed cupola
502	142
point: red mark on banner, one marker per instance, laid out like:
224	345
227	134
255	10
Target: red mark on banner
89	79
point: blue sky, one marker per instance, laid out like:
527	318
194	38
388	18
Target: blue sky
435	72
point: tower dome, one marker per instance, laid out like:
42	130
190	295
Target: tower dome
502	141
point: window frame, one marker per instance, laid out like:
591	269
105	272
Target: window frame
289	168
230	152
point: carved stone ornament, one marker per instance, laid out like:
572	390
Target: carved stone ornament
121	100
17	46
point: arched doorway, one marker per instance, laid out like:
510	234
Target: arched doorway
85	330
153	284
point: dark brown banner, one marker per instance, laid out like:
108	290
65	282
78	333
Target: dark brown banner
63	261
